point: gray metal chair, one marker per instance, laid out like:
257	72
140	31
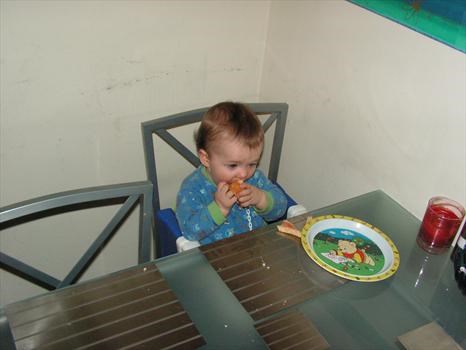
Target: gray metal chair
166	227
130	194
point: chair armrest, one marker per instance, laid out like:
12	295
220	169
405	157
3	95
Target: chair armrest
295	210
183	244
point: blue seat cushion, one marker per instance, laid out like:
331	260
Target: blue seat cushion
290	200
166	226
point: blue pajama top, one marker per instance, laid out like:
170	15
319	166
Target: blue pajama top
201	219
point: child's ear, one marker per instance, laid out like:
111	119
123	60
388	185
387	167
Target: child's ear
203	157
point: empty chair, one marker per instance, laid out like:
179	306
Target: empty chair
128	194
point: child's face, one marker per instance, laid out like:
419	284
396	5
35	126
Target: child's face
230	159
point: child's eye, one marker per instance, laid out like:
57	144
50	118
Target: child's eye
232	166
253	165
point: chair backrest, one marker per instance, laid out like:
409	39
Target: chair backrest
130	194
277	114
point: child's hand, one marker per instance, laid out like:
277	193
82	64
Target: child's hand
224	198
252	196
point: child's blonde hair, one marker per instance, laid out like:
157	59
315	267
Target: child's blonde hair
230	118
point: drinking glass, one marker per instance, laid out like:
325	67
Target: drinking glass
441	221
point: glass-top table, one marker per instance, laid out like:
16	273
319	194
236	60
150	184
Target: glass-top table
235	291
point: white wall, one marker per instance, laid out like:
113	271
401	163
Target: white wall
373	105
78	78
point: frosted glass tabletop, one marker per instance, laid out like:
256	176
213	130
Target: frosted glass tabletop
233	292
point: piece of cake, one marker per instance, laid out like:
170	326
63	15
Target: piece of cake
289	228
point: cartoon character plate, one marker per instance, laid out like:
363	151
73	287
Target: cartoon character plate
350	248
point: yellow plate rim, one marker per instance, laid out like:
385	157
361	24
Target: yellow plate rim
310	251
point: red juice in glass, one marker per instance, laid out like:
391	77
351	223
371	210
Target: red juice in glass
441	221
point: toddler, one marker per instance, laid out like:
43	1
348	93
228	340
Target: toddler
229	144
